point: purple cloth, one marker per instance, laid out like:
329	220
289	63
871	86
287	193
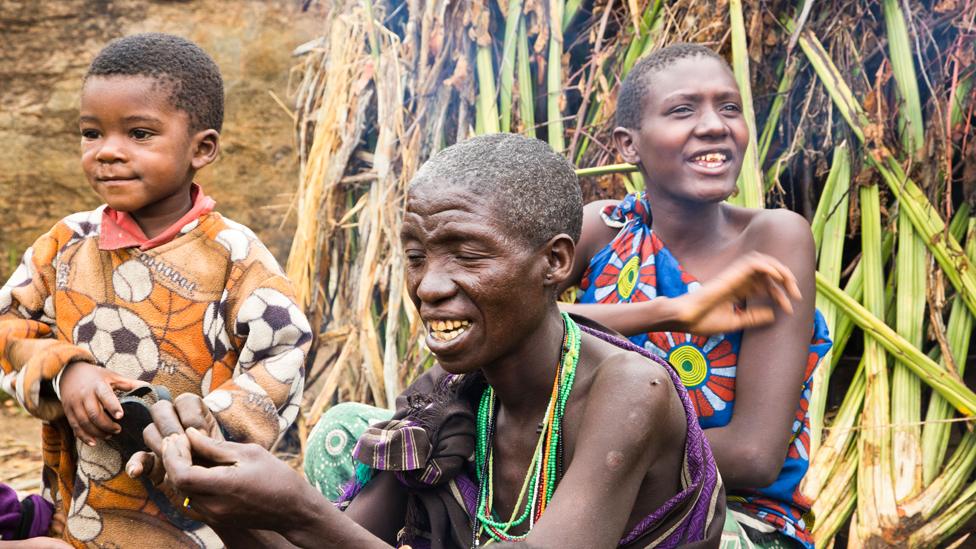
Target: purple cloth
29	518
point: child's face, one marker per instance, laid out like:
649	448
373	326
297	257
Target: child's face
693	136
136	147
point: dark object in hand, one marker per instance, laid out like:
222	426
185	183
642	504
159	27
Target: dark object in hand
136	417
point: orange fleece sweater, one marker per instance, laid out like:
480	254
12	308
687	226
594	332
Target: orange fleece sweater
209	313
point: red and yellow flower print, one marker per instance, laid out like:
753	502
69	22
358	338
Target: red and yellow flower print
706	366
629	273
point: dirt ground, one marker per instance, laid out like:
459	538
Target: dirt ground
20	448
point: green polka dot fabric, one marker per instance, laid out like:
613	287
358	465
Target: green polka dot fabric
328	453
735	536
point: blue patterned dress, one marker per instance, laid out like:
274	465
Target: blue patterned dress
636	266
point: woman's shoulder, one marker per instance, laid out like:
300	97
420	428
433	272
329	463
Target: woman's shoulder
769	230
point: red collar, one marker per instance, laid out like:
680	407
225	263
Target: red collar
120	230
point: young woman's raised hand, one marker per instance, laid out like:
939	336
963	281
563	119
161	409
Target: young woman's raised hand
719	305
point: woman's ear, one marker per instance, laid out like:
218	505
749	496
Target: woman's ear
206	146
560	252
626	141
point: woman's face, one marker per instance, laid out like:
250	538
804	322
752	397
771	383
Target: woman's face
478	287
693	135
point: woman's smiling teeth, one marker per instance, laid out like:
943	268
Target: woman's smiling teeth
710	160
446	330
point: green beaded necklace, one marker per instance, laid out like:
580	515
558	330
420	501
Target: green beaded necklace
541	476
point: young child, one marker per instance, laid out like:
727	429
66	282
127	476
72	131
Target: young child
152	287
646	258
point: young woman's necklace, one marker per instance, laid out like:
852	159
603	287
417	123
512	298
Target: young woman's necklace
546	463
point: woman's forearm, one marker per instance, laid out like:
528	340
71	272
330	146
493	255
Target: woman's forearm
234	538
657	315
319	525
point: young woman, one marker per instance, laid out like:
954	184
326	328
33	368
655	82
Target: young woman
642	259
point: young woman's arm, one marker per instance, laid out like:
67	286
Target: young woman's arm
706	311
772	360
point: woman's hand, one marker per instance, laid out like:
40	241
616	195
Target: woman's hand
244	484
235	487
186	410
718	306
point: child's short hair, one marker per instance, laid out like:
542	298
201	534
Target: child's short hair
630	100
196	86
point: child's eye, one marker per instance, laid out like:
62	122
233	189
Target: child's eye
140	134
731	107
89	134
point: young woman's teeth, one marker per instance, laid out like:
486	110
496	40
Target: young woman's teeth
446	330
710	160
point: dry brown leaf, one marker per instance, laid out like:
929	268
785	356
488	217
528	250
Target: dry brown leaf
461	76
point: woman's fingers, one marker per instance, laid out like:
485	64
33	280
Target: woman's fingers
152	438
219	452
139	464
193	412
778	294
755	316
188	478
165	418
149	464
777	271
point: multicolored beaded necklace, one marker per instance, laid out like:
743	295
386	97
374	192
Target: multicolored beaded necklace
546	464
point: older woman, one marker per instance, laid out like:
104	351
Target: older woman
531	429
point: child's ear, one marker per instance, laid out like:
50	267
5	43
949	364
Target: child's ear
626	141
206	146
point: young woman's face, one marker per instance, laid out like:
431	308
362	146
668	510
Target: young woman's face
693	135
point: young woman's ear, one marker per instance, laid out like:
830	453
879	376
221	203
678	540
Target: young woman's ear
206	146
560	252
626	141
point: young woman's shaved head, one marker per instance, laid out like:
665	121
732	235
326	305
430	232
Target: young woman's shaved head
630	100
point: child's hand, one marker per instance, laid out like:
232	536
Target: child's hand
89	401
717	307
